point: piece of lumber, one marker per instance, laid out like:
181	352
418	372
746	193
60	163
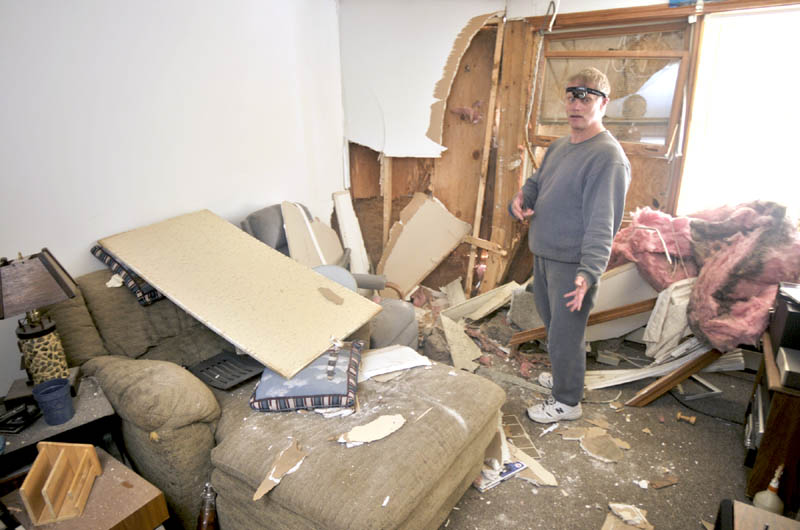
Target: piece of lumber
594	318
664	384
386	188
462	350
487	143
516	70
483	304
486	245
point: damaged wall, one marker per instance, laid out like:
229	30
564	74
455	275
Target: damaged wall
117	115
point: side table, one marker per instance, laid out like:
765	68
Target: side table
94	418
120	500
781	439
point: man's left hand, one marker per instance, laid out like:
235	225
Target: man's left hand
581	286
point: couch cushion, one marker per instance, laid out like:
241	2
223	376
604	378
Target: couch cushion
445	411
126	327
76	328
154	395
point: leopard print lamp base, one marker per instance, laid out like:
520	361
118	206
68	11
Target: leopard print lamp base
42	352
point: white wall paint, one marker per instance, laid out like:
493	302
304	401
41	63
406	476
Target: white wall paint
393	54
116	114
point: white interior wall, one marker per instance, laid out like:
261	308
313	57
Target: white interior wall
114	115
394	53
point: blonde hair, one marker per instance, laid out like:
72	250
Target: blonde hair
592	78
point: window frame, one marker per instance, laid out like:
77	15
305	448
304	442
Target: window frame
672	139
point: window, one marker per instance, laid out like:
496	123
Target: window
647	68
743	142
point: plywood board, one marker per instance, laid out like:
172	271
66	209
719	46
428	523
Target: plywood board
458	171
425	234
263	302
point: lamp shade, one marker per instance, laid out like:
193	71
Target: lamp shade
32	282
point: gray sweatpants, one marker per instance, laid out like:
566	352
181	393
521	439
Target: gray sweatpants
565	329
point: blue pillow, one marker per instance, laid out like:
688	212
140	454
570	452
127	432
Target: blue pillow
329	381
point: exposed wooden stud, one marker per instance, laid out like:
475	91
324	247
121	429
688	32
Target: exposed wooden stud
386	188
487	143
664	384
516	71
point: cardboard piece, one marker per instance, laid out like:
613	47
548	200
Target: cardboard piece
425	234
462	350
311	242
288	462
379	428
234	284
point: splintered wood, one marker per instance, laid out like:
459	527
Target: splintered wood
266	304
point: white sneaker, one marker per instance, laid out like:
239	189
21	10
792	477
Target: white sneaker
546	380
551	411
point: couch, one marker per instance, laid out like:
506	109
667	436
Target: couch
180	433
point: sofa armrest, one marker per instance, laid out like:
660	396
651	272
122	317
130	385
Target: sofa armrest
153	395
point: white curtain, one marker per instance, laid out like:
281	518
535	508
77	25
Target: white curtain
744	142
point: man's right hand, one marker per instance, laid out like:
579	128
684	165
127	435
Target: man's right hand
517	210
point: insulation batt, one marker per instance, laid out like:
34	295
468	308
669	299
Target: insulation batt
641	245
744	252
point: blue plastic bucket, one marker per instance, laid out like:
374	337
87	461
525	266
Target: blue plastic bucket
55	401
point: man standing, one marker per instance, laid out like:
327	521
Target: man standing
578	196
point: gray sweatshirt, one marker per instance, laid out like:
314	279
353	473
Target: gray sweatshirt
578	198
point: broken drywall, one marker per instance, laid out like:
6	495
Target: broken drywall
398	62
425	234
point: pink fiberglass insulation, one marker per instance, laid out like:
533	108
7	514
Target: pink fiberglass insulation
641	244
745	251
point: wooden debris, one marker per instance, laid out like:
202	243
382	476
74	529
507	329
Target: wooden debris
631	515
479	306
687	419
667	480
664	384
288	461
616	405
517	435
536	472
607	357
647	430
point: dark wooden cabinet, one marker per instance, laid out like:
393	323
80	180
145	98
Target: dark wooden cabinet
780	443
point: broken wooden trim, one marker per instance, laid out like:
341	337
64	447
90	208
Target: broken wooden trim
594	318
482	243
487	143
386	188
664	384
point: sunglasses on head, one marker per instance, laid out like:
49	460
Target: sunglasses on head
580	92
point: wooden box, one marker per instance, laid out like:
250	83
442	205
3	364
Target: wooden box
59	482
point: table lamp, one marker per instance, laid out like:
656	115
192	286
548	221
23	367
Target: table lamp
27	284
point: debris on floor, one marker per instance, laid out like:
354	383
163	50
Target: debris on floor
630	515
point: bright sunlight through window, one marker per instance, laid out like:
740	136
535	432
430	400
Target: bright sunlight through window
744	142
